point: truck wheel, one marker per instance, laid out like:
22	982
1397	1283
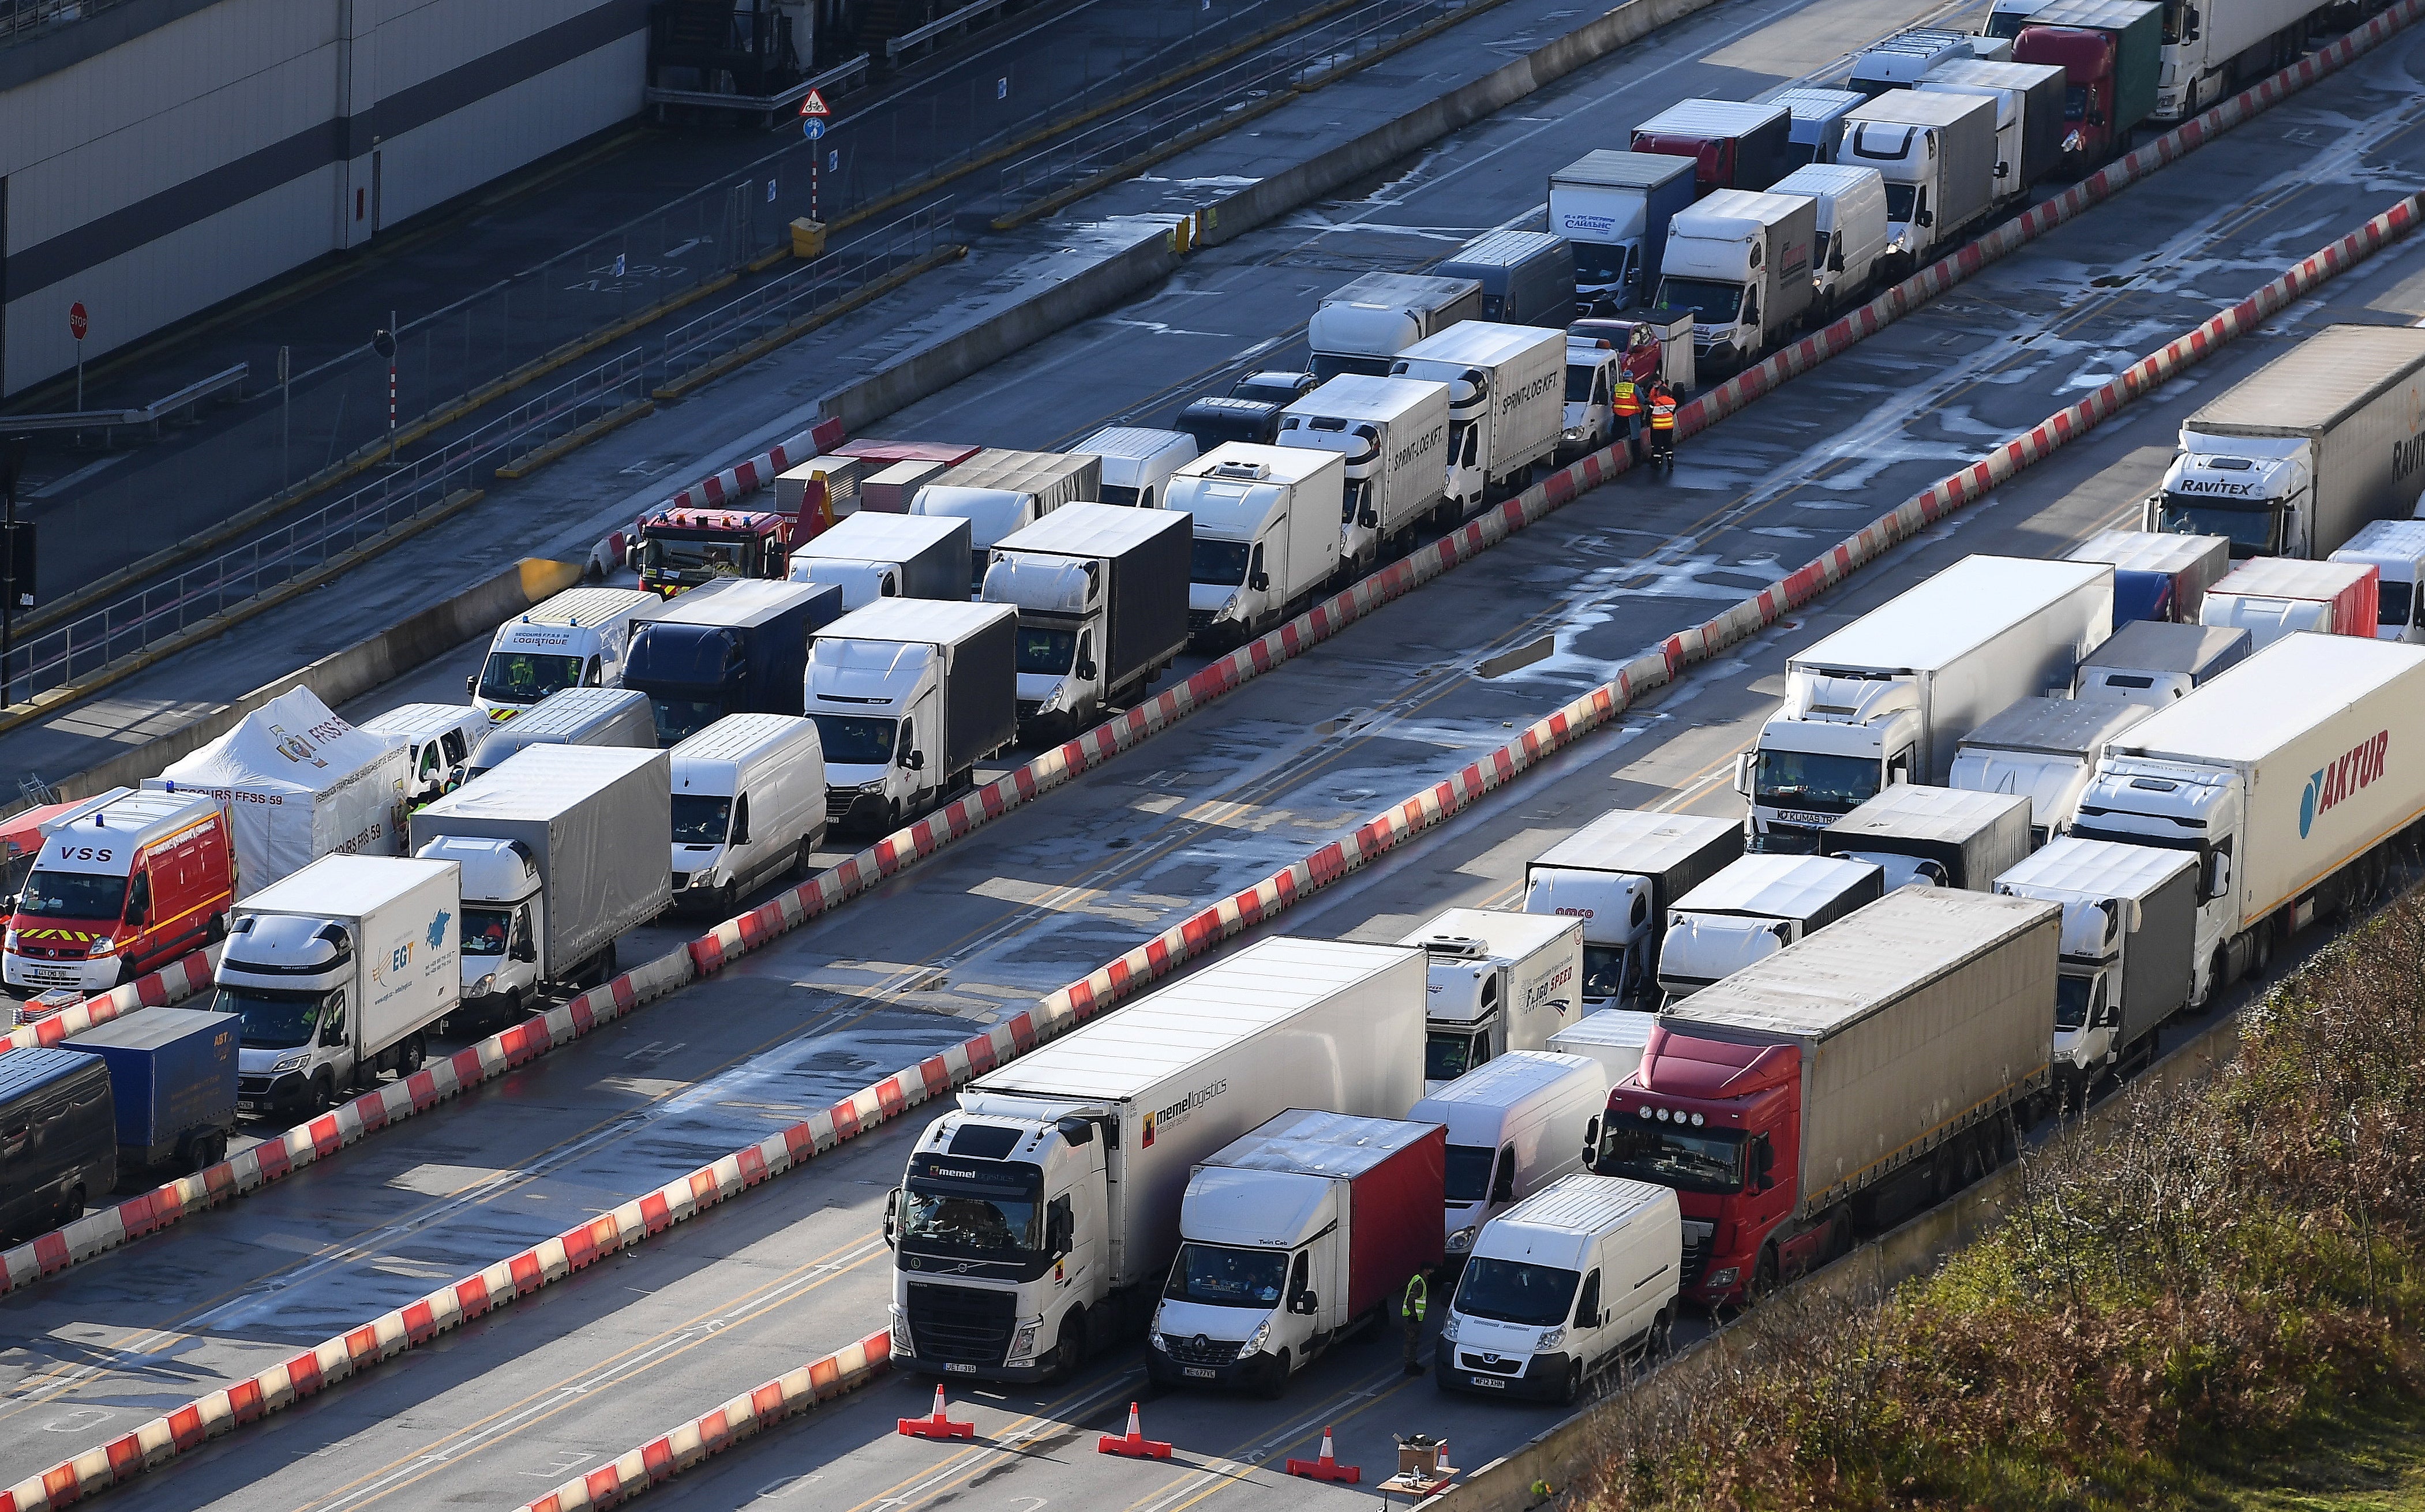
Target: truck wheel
70	1207
1069	1348
409	1059
1763	1278
1274	1382
208	1151
1661	1342
217	930
802	867
2260	949
324	1091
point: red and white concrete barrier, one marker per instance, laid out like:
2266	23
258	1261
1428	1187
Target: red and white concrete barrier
740	480
172	984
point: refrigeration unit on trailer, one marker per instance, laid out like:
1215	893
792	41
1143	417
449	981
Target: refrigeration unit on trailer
2395	550
1292	1241
2154	662
1100	592
1754	909
1362	326
1266	540
1619	874
736	646
1849	248
1527	277
1038	1219
1137	461
2293	459
1733	144
1740	262
2156	576
871	556
1616	1038
1840	1082
2044	751
576	716
1887	698
1499	981
2129	939
1393	435
748	804
1506	402
908	696
1613	208
1514	1127
2286	776
2271	597
2029	115
1937	153
1934	836
120	890
574	639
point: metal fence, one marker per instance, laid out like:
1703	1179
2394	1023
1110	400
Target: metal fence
284	553
24	20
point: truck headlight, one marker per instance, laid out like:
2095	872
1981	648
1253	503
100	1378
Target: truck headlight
1551	1338
1462	1239
1230	604
1574	433
1022	1343
1448	1329
1153	1333
1726	1277
1255	1342
871	788
485	985
105	945
289	1062
902	1346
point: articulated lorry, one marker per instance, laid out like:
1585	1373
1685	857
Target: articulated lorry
2129	936
1619	874
2154	662
1889	698
1740	262
1363	326
1101	593
2213	48
2287	777
908	696
1393	435
2156	576
1933	836
1754	909
1867	1069
1498	981
2041	749
2111	54
2291	461
1613	208
734	647
1506	403
1266	535
560	854
1038	1221
339	971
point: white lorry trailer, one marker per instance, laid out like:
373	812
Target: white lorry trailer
2154	662
2214	47
1933	836
2129	937
1266	535
1292	1240
560	855
1392	434
1039	1218
2286	776
1362	327
1887	698
1740	261
1939	155
339	971
908	696
2271	597
1499	981
574	639
1506	402
872	555
2041	749
2291	461
1619	874
1100	592
1751	910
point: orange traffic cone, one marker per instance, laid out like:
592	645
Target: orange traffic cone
1136	1445
938	1427
1327	1468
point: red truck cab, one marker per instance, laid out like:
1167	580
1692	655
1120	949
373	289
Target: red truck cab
1721	1123
683	547
2088	61
119	892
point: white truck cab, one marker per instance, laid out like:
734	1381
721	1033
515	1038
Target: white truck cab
1500	981
575	639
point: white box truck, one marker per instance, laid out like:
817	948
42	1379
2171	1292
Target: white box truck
338	972
748	805
2271	597
1292	1240
1038	1219
1740	261
1137	462
1506	402
2129	943
559	858
1266	535
1514	1127
1100	592
1939	155
1363	326
2041	749
1933	836
1394	435
908	696
2293	459
1499	981
574	639
1889	696
2286	776
1754	909
872	555
1619	874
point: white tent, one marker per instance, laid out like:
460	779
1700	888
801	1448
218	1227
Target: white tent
298	783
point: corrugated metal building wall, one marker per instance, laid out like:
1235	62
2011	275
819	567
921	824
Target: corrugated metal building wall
161	155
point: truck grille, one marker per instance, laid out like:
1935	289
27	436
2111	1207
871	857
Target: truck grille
1696	1251
1489	1364
1199	620
253	1086
961	1324
1200	1350
1027	707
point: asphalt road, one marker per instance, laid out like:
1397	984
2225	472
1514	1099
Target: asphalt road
550	1387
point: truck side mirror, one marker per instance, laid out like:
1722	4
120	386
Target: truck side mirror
1305	1304
891	1217
1370	519
1261	582
1926	217
524	950
2003	170
1742	773
2097	117
1591	1145
1086	672
915	761
472	684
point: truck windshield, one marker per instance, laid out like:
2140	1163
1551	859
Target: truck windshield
1115	493
1901	199
272	1021
1218	1275
72	895
1220	564
678	719
1449	1056
1597	266
1046	651
2075	101
1806	779
526	677
1468	1172
2075	999
2252	525
486	930
715	558
1510	1291
1578	381
855	739
969	1218
1712	303
701	818
1603	970
2393	607
1689	1160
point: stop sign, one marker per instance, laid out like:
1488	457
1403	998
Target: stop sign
77	322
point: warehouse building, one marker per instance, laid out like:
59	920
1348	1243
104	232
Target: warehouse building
159	156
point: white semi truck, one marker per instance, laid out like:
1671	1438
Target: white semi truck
1038	1220
1394	435
1933	836
2287	777
2042	749
1889	698
1506	402
1498	981
1266	535
908	696
2129	939
1619	874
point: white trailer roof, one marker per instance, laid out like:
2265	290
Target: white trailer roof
915	621
1636	838
1084	529
1363	396
877	536
2143	551
1710	118
2096	869
2271	698
736	737
2057	726
545	781
2163	645
1134	1048
1941	621
1917	811
345	886
2288	577
1606	169
2381	540
2323	378
1504	1081
1776	887
1508	935
1481	342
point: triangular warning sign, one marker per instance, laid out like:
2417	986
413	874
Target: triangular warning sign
815	104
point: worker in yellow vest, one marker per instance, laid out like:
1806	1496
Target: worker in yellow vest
1625	402
1663	423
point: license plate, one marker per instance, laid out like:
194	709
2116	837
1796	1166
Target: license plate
1197	1371
1489	1383
956	1369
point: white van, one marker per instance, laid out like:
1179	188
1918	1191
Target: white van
1513	1126
1616	1038
1851	240
2397	547
438	740
1561	1287
749	803
575	639
576	716
1137	462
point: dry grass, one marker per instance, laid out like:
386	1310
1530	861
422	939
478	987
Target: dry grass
2214	1301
